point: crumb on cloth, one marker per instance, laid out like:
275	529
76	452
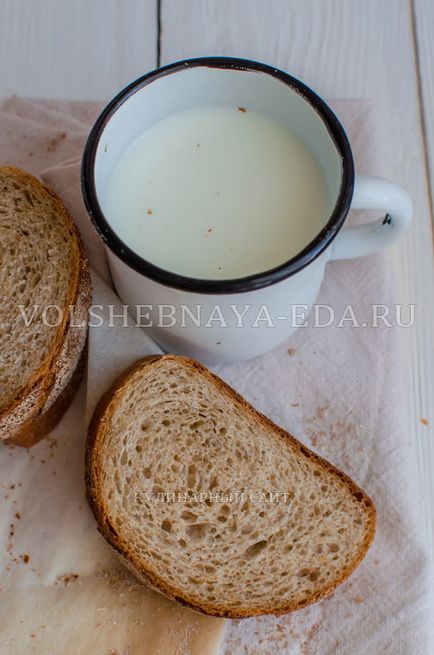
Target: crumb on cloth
55	141
67	578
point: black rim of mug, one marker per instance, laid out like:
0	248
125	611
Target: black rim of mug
224	286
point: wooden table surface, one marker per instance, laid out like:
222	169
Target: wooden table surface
380	49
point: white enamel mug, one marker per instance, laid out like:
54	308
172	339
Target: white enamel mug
219	321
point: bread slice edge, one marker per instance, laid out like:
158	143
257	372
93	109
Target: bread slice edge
48	393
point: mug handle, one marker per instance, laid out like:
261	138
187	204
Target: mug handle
374	193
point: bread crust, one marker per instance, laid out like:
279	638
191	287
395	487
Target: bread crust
95	437
38	428
41	403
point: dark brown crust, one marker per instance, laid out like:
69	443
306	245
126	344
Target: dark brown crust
41	426
96	433
48	393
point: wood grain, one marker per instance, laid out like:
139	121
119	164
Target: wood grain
79	49
347	49
423	23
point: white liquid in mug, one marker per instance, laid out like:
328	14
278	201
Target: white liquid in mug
215	193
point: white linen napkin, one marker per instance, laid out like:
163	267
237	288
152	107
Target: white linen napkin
337	389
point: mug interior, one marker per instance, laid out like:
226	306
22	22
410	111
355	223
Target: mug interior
199	86
219	81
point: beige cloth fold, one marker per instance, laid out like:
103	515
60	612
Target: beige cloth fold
338	389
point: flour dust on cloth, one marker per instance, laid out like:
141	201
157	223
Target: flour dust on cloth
339	390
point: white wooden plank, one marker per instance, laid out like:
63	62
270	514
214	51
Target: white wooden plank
79	49
345	49
424	32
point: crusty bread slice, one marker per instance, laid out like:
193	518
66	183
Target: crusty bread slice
42	264
169	426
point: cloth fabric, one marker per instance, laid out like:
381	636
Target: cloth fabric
338	389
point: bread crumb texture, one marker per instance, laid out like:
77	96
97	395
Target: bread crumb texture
38	254
171	426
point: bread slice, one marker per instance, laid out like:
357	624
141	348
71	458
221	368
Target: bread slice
169	426
42	266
